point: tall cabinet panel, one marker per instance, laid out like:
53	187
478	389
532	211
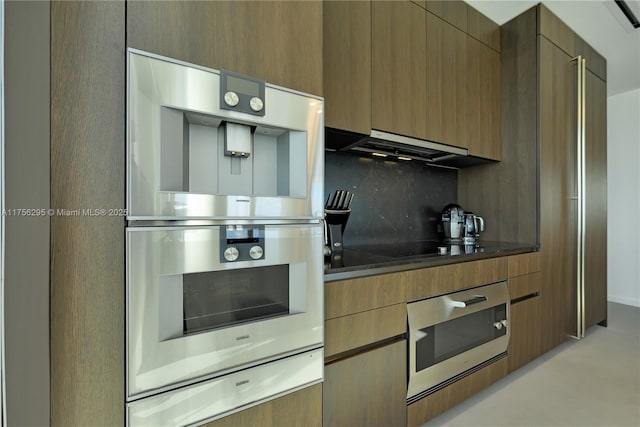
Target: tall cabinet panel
596	200
87	253
558	190
398	79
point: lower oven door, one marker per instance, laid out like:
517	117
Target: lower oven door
194	315
454	333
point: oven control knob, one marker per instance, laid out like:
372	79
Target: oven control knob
256	104
498	325
231	253
256	252
231	98
505	323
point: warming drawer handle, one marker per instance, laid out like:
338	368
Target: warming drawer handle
475	300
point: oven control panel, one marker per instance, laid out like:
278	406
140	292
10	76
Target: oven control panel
241	243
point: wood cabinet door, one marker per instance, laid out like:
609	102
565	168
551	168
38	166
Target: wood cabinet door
280	42
447	73
347	65
524	343
368	389
596	201
398	58
484	101
558	207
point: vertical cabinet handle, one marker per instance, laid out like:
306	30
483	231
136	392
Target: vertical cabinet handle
581	78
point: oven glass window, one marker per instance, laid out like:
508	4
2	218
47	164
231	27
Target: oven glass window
452	337
223	298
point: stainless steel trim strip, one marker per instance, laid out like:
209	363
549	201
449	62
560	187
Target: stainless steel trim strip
583	200
580	190
222	396
417	142
3	412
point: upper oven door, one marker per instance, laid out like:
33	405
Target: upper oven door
192	314
189	158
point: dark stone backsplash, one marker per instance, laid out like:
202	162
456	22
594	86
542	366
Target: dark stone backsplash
395	201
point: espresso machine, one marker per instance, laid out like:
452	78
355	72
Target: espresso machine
453	223
460	227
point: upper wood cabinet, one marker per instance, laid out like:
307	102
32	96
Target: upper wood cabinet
483	101
483	29
410	68
398	76
280	42
452	11
347	65
447	76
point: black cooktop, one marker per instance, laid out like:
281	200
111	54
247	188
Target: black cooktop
404	249
379	254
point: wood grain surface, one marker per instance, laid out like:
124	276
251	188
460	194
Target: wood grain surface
518	265
87	253
525	285
280	42
452	11
357	330
483	29
368	389
506	193
366	293
448	99
525	322
445	279
558	209
347	65
398	58
596	201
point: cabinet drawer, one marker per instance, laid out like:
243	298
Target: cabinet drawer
367	293
357	330
523	264
522	286
445	279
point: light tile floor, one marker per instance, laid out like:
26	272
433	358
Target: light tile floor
591	382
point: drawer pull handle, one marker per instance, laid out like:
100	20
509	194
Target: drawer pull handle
475	300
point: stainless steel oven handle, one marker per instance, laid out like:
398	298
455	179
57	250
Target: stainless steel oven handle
475	300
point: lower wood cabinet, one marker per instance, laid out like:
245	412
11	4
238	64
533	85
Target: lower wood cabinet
524	344
368	388
300	409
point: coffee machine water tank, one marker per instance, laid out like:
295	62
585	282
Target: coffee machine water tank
453	222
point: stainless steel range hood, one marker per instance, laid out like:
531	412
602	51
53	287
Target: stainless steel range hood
399	147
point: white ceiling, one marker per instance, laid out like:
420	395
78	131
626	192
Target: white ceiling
597	23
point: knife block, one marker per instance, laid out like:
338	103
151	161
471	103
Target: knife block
335	223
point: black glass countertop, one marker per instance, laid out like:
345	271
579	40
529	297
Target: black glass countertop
365	260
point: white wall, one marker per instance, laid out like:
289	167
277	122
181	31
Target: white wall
623	204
